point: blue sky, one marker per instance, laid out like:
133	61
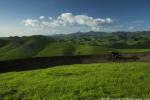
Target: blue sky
46	17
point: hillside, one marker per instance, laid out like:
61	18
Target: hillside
74	82
89	43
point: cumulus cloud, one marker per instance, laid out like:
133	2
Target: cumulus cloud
30	22
50	18
42	17
67	20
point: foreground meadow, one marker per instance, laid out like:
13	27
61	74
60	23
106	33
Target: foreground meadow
78	82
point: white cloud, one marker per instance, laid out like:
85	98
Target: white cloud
50	18
42	17
45	23
69	18
67	21
30	22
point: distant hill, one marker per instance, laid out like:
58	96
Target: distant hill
80	43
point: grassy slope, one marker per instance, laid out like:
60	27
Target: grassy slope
28	49
55	49
89	50
39	47
133	50
60	49
5	49
74	82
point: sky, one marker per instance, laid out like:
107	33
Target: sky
47	17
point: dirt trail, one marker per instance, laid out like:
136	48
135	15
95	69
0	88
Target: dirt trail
45	62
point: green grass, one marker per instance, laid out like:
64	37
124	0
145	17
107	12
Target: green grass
92	43
26	50
37	48
78	82
90	50
133	50
44	47
5	49
61	49
55	49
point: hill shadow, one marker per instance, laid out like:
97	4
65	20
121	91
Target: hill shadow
45	62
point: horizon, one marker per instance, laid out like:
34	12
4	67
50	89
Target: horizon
74	33
36	17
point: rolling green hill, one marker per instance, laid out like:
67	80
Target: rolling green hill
56	49
40	46
27	49
61	49
89	43
78	82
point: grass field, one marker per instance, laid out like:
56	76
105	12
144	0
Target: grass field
41	46
36	48
86	43
133	50
78	82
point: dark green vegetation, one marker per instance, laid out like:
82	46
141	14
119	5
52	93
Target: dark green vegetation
90	43
78	82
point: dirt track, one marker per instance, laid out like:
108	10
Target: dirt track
44	62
